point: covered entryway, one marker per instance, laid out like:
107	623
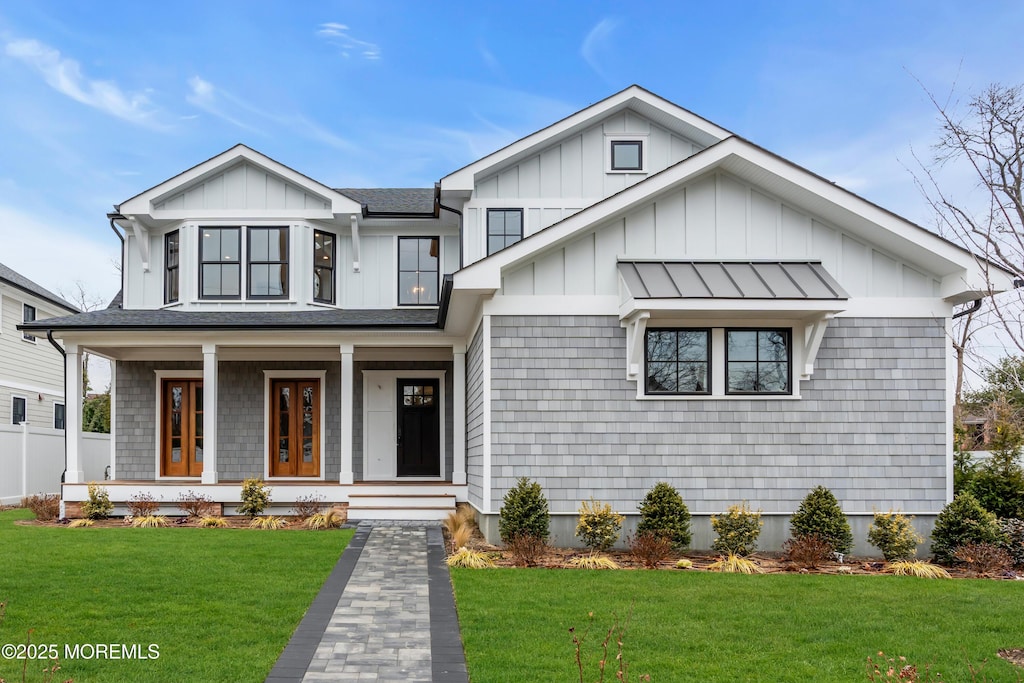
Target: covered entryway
418	437
403	424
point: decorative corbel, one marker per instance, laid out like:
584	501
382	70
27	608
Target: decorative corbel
141	235
355	242
636	326
814	332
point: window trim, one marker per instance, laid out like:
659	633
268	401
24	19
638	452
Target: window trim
220	297
63	417
24	401
249	263
788	332
487	227
332	267
709	362
611	141
399	271
169	269
25	308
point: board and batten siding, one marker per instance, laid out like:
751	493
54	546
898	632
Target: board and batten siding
718	217
871	423
475	418
569	176
246	187
28	369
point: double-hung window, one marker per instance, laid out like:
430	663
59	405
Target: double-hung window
220	270
418	271
757	361
504	228
323	267
678	361
171	262
28	315
268	263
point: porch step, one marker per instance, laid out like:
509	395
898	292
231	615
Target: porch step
400	506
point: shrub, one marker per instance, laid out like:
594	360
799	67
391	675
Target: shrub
255	497
649	548
460	525
893	533
45	506
142	505
961	522
983	558
598	525
268	522
820	514
922	570
307	506
964	469
325	520
734	564
79	523
593	562
195	504
998	484
664	513
807	551
737	530
469	559
213	522
149	521
1013	539
525	510
684	564
98	506
526	549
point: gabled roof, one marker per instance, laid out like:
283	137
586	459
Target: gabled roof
657	109
21	282
143	202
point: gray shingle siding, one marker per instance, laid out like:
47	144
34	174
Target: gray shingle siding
475	418
870	424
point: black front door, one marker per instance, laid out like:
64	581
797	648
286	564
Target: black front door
419	428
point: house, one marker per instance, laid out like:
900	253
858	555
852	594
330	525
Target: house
31	370
632	294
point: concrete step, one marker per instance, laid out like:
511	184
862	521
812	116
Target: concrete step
406	500
418	513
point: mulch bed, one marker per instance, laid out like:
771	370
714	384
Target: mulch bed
233	522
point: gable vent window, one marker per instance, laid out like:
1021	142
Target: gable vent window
627	155
504	228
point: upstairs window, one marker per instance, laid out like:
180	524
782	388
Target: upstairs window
323	267
220	270
28	315
504	228
678	361
627	155
18	409
757	361
268	263
171	260
418	271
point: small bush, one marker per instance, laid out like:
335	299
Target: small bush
195	504
213	522
45	506
255	497
149	521
922	570
268	522
598	525
737	530
469	559
808	551
1013	539
983	558
684	564
664	513
894	534
734	564
525	510
98	506
460	525
961	522
307	506
79	523
142	505
649	548
325	520
820	514
593	561
526	549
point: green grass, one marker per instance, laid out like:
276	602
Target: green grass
699	626
221	604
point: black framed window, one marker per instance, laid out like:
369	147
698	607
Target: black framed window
504	228
758	361
323	267
171	262
678	361
58	416
627	155
28	315
418	271
220	270
18	409
268	263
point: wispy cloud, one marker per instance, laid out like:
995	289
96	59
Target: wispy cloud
206	96
338	35
64	75
489	59
596	46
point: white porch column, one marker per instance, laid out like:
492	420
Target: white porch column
73	414
459	416
210	414
113	418
347	476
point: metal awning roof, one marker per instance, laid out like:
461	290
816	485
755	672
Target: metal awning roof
729	280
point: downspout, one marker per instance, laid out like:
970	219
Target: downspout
113	217
457	213
64	355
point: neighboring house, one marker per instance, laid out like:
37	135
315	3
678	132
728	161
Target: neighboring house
31	369
630	295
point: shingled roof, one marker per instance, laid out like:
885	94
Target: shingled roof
393	200
21	282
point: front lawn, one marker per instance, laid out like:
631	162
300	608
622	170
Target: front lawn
699	626
219	604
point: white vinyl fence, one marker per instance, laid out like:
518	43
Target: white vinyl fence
32	460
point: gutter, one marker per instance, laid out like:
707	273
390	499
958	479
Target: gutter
64	355
113	217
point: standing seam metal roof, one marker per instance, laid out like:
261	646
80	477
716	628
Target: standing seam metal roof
729	280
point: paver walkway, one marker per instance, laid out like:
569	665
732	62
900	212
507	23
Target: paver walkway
386	613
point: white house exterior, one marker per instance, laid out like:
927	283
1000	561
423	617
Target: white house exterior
628	296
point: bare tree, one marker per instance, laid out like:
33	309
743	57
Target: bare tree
84	301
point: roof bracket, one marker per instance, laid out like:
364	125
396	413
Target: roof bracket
141	235
354	218
636	326
813	334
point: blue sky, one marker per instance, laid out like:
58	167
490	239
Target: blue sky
102	100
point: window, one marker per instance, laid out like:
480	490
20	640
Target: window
504	228
757	361
219	267
18	408
171	259
627	155
58	416
29	315
417	271
677	361
323	267
268	263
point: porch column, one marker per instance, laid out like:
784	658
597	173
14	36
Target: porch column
210	415
73	414
346	476
459	416
113	418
